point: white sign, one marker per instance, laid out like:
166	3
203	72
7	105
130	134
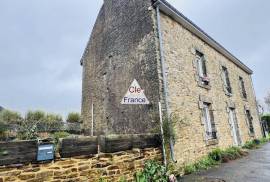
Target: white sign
135	95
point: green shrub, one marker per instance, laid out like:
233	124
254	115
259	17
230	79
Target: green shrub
3	131
74	117
264	140
214	158
216	154
28	130
255	143
249	145
10	117
102	180
122	179
203	164
231	153
58	135
3	127
153	171
189	169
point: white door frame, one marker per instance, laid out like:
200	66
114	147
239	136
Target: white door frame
234	127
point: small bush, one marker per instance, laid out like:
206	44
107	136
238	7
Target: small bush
189	169
10	117
153	171
58	135
254	144
231	153
123	179
214	158
74	117
203	164
257	142
249	145
264	140
216	154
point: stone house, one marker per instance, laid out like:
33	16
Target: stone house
206	89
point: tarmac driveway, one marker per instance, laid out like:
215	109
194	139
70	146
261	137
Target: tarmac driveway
253	168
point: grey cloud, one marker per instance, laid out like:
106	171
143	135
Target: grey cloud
240	26
42	43
40	49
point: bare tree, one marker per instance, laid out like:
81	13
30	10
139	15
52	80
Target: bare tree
267	100
260	107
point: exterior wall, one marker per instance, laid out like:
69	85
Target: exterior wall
184	93
111	167
122	48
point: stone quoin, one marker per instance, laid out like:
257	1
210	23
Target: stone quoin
206	88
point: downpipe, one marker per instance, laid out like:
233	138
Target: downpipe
165	81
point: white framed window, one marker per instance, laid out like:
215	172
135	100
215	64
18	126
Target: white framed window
249	119
243	88
234	127
209	123
201	68
226	79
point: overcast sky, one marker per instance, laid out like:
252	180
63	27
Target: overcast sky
41	43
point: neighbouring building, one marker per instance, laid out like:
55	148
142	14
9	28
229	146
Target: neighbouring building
206	89
1	108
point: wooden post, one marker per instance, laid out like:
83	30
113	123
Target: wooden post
92	121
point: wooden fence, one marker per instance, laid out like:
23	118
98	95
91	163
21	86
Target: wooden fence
21	152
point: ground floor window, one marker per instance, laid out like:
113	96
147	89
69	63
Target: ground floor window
250	122
209	123
234	127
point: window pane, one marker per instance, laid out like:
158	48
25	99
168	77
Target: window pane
227	79
243	87
249	117
204	71
209	122
200	69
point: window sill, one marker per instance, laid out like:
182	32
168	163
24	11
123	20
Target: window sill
208	87
228	94
245	99
211	142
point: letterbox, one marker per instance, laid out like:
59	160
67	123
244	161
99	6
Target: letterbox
45	152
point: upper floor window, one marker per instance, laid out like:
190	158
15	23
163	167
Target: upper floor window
249	122
201	68
209	123
243	88
226	79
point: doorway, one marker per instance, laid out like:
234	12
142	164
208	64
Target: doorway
234	127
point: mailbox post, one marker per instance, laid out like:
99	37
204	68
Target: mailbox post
45	150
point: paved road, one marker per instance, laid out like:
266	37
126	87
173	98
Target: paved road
253	168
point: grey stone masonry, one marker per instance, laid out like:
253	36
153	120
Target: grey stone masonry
122	47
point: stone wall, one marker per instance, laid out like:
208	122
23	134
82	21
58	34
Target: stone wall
122	47
184	93
110	166
23	152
